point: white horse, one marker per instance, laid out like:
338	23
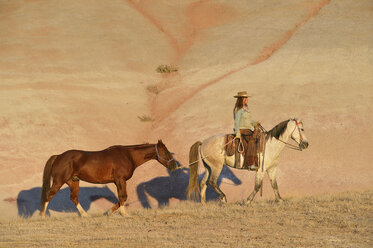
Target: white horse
214	157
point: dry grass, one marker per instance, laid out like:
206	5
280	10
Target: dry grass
153	89
166	69
342	220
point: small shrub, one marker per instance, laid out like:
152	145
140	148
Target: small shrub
166	68
153	89
145	118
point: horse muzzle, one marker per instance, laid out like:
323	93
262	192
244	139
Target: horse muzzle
303	145
174	165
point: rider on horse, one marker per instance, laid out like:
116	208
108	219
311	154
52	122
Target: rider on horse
247	133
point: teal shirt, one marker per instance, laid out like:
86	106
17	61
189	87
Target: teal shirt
243	120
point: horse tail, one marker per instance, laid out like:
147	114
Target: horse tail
47	180
193	190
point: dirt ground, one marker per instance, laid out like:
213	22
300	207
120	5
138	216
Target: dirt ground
83	75
330	220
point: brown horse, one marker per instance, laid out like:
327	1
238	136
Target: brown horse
115	164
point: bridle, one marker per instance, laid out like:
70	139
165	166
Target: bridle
300	133
160	158
291	146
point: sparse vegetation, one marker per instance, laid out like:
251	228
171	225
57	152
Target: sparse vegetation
339	220
145	118
153	89
166	69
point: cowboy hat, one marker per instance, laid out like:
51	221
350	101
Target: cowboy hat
242	94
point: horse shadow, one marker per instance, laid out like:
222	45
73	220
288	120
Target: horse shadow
175	186
28	201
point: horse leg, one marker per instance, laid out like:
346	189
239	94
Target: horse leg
122	195
57	184
258	184
272	178
204	186
213	183
222	196
112	210
74	196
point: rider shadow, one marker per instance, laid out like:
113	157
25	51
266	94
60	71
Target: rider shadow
28	201
175	186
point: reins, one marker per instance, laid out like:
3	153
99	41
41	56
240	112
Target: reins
291	146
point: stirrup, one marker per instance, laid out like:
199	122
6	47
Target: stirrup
237	165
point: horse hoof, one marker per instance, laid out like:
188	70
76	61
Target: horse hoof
280	200
84	215
123	213
108	213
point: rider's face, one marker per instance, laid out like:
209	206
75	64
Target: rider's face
245	100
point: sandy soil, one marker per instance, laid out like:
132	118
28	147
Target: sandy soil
79	75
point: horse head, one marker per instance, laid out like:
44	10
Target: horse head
298	134
164	156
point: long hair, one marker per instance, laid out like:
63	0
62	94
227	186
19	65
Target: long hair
239	105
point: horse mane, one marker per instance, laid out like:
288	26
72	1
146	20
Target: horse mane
132	146
140	146
279	129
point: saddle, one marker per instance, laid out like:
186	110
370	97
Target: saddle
253	143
